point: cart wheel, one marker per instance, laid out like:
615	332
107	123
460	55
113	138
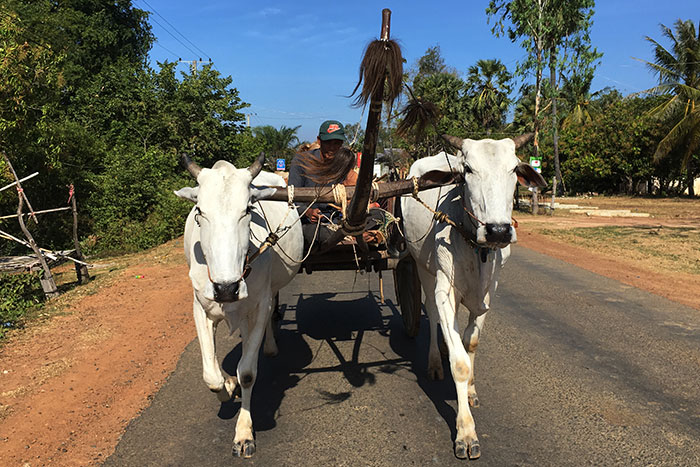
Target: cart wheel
408	294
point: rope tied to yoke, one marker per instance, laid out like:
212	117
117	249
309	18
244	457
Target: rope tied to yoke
440	216
341	198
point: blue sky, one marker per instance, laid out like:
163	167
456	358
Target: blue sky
295	61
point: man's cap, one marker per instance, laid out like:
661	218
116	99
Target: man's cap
331	129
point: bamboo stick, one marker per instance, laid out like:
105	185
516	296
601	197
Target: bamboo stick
18	181
12	216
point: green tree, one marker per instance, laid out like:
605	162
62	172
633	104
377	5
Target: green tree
554	32
431	63
678	69
80	105
488	86
612	152
278	142
526	20
355	135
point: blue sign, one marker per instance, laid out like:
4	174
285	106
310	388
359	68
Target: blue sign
281	164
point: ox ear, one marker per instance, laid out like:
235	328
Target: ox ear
443	177
188	193
527	176
256	194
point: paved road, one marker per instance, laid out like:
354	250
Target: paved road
573	369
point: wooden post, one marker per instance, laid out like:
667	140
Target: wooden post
535	200
81	271
47	282
357	209
554	193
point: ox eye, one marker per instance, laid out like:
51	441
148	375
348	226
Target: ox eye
468	169
197	215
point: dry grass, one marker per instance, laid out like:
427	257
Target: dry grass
668	240
659	208
671	249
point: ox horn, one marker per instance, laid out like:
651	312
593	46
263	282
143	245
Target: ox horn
454	141
522	139
190	165
256	166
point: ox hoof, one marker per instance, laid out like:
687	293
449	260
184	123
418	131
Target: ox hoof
471	450
270	353
473	400
436	373
230	390
244	449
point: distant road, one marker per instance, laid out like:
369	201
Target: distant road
573	369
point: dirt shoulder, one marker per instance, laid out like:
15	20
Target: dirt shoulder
70	385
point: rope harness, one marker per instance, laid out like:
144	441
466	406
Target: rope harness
439	216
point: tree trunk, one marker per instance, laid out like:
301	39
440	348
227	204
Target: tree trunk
555	122
691	184
538	92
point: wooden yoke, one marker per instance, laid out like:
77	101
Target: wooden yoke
431	179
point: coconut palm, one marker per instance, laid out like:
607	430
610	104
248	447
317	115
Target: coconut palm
488	85
679	78
278	142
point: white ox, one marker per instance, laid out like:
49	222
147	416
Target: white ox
228	223
461	265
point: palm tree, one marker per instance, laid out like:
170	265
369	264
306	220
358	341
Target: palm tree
488	86
577	96
277	142
679	79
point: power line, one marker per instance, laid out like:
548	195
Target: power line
174	37
167	49
177	39
175	29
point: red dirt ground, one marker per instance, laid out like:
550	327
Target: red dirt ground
70	385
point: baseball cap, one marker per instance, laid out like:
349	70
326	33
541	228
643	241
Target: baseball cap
331	129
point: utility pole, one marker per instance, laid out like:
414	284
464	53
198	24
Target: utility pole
193	63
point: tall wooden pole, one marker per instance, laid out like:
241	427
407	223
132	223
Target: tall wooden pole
80	269
357	210
47	282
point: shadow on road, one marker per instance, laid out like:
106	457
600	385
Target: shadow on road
329	321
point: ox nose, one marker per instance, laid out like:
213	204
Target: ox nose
498	233
226	291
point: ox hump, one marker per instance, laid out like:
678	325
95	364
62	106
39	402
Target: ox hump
437	162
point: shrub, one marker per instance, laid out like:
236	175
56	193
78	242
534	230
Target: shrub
19	292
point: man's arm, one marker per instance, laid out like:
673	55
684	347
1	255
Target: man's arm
297	178
296	174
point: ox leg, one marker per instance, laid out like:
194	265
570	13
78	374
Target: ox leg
470	339
252	333
211	370
427	280
270	346
466	443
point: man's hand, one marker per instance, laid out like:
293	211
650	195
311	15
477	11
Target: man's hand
313	215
